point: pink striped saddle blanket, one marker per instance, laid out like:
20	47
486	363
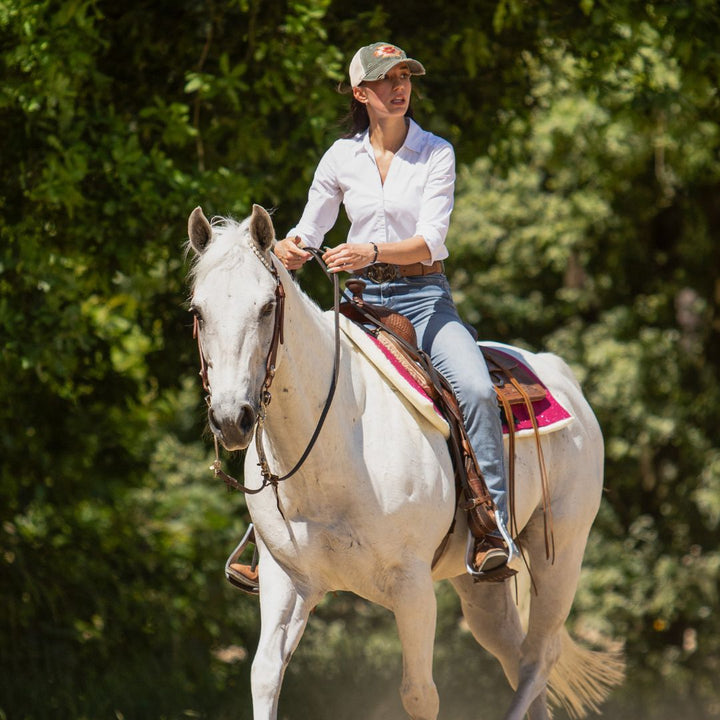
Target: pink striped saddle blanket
550	414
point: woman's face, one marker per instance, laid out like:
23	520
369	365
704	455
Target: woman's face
388	97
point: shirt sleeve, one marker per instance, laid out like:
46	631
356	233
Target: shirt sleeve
323	205
437	202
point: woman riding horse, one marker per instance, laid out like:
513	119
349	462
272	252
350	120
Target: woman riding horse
397	181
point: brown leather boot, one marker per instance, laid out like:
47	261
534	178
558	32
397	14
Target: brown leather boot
490	553
242	576
249	572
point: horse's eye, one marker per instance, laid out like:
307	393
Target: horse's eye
196	312
268	309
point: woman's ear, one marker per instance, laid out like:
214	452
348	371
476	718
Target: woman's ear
360	94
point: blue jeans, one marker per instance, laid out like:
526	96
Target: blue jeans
426	301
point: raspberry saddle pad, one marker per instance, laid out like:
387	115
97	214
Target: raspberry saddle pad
550	415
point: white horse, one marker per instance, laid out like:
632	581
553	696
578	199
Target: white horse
375	497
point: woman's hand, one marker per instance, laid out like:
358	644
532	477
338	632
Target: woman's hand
290	254
349	257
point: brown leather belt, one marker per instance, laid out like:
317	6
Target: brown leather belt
384	272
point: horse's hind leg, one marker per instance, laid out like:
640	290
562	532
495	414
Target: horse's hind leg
493	619
549	608
415	611
284	613
539	708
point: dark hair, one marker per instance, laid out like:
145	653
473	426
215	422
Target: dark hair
357	120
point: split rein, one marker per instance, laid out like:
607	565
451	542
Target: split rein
270	478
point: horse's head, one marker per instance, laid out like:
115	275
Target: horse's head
233	299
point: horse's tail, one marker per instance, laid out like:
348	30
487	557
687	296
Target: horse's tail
582	678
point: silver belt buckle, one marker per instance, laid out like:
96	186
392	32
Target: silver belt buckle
381	272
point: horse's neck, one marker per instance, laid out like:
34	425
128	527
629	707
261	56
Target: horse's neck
303	376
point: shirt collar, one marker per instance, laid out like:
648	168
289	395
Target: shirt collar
414	140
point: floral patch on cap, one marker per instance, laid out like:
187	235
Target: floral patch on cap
387	51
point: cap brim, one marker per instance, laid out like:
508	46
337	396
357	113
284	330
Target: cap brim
415	67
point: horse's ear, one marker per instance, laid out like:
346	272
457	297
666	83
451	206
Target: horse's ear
261	228
199	230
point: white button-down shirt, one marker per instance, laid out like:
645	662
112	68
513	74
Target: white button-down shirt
416	198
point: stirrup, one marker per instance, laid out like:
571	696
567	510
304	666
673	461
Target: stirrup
497	574
235	578
514	560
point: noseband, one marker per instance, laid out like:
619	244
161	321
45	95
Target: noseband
270	478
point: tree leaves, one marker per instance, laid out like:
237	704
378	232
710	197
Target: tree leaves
588	143
576	233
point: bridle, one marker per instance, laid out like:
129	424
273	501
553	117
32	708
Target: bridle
269	477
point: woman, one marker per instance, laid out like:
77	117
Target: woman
396	182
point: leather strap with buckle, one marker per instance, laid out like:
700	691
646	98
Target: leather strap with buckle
385	272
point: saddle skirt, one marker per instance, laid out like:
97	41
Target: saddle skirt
408	381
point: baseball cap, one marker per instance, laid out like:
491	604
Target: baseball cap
372	62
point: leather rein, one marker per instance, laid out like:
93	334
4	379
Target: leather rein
269	477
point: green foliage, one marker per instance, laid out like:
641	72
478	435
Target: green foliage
112	534
588	143
587	229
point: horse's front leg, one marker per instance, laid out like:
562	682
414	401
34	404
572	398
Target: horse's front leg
415	609
284	611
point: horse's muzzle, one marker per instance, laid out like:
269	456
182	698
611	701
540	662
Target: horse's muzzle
233	430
